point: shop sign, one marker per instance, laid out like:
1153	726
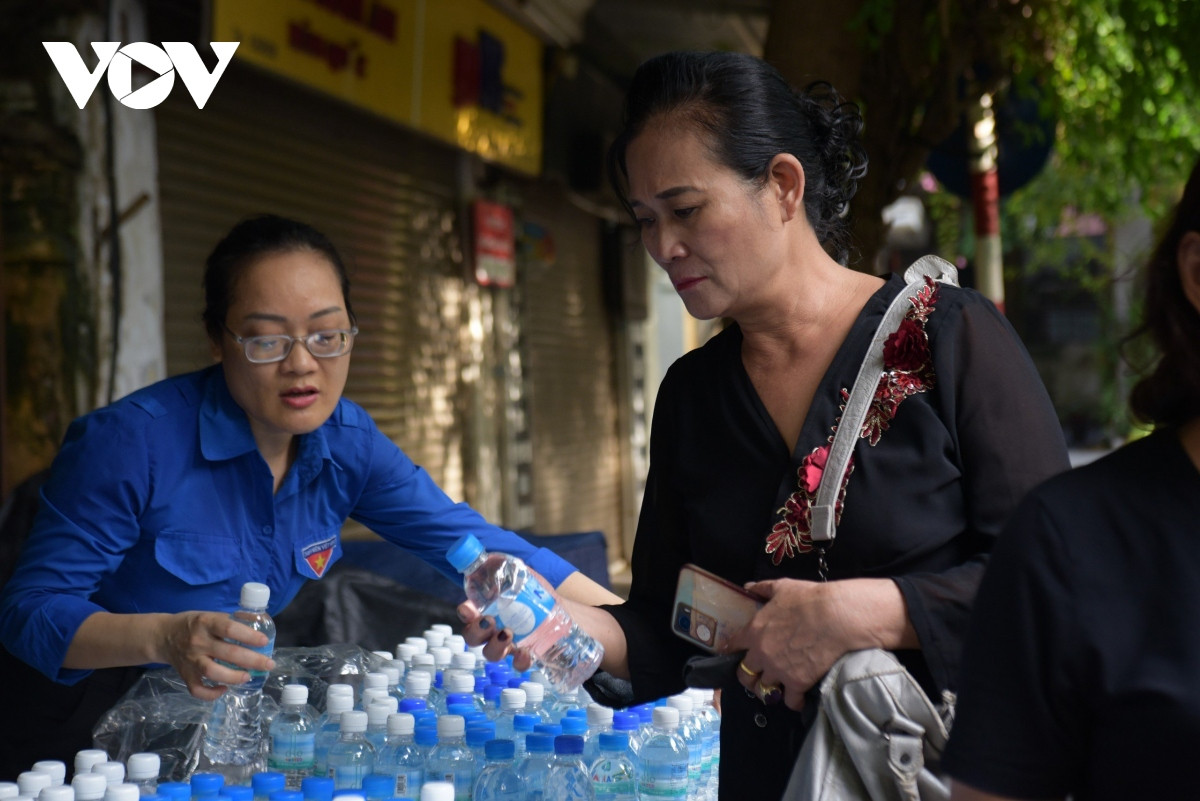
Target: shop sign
495	243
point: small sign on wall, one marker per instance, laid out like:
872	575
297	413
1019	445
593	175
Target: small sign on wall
495	243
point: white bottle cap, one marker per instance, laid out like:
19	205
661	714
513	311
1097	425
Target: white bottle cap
386	656
534	692
373	694
437	791
441	656
478	651
89	786
451	726
393	671
375	680
353	721
337	704
57	792
113	771
417	683
87	757
435	639
444	628
9	790
122	792
456	643
665	717
57	771
31	782
140	767
291	694
420	643
255	595
512	699
377	714
405	651
459	681
599	715
399	723
683	703
426	661
463	661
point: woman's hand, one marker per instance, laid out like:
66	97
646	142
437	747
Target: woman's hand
806	626
192	642
479	629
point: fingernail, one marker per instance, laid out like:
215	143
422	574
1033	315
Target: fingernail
502	636
485	624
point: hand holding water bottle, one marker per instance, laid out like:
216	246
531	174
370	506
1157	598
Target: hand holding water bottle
210	650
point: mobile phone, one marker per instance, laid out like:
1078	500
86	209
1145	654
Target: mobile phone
709	610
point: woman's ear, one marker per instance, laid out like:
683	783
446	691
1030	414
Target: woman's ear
787	178
1188	258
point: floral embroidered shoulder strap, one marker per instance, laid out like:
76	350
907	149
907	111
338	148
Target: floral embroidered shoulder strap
920	277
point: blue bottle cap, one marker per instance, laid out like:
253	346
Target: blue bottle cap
574	726
515	682
175	791
499	749
286	795
378	785
412	704
553	729
539	743
460	708
425	735
479	737
464	552
491	694
236	792
569	744
576	712
626	721
614	740
317	788
525	723
207	783
481	683
267	781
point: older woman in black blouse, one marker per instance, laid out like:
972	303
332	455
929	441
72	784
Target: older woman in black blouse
739	187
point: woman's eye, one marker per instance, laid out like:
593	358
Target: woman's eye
645	222
683	214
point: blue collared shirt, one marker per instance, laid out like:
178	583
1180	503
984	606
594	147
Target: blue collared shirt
161	502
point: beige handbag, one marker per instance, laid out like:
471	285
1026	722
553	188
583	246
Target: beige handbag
877	736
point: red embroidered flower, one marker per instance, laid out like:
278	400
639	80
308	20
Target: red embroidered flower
813	467
907	348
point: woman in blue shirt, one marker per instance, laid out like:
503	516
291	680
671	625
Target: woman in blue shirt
162	505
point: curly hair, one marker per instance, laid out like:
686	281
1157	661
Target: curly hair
1169	394
749	115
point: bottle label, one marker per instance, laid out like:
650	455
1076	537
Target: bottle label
525	612
663	781
292	752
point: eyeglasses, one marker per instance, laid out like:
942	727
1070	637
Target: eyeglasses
276	347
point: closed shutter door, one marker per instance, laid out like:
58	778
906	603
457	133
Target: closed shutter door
383	196
568	340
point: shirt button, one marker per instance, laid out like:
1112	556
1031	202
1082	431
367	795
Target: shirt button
760	720
267	529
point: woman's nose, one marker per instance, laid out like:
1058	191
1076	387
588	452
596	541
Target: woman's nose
665	246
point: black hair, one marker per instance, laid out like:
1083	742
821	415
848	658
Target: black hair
749	115
248	241
1170	394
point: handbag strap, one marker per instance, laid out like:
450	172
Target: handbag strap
823	520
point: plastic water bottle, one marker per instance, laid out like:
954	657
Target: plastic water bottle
339	698
56	770
351	757
613	775
693	738
122	792
539	753
175	791
498	781
142	770
293	736
206	786
89	786
663	768
628	723
709	720
317	788
401	758
568	779
535	695
451	759
512	701
522	727
377	716
85	759
478	734
233	740
113	772
236	792
266	783
376	787
565	701
10	790
30	783
599	720
57	792
502	586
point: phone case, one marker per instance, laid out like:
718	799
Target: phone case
709	609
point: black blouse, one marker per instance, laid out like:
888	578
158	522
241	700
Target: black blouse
922	505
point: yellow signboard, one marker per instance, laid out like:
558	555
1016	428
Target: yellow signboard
457	69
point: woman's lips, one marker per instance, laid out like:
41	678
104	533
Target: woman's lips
300	398
687	283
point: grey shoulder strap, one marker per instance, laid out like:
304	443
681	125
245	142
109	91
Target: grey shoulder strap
823	527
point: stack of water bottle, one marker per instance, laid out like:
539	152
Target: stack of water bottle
437	723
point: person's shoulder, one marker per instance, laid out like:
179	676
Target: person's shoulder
161	399
1092	487
350	417
699	363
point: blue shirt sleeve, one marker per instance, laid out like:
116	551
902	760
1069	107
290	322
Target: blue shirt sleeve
86	521
402	504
